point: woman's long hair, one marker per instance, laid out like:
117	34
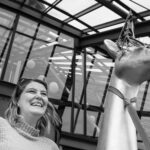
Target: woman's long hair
12	114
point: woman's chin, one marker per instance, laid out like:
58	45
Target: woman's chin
38	111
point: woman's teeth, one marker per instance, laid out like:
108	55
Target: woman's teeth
37	104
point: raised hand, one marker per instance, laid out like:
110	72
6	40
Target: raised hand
132	64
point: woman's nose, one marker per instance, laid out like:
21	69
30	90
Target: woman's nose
38	94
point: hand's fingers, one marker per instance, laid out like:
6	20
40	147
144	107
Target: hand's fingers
112	48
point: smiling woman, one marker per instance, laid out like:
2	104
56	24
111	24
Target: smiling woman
29	118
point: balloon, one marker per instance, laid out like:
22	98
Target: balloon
31	64
92	118
53	87
41	77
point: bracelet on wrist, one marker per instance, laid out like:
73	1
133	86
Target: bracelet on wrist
118	93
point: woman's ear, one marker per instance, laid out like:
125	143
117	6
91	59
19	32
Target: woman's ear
112	48
18	109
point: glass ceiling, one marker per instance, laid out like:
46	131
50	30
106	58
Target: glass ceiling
83	14
50	33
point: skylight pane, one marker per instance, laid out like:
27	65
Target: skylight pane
75	6
147	18
145	40
99	16
136	7
144	3
50	1
6	18
111	27
57	14
77	25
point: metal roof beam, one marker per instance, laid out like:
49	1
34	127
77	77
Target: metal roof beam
128	8
72	16
105	25
114	22
109	5
141	29
37	16
84	12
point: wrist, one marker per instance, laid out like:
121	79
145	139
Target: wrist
120	95
129	91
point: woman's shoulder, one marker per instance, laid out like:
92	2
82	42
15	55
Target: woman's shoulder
4	125
54	145
3	122
50	142
2	119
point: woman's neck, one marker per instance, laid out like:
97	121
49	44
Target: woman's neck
31	120
25	128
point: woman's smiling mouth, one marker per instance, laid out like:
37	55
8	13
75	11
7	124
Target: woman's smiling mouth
37	103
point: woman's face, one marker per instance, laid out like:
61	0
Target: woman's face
33	100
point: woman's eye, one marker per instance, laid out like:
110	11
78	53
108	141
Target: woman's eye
44	94
32	91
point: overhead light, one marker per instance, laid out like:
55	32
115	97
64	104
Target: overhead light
78	73
64	40
109	64
87	63
100	64
62	63
89	56
77	57
57	58
66	52
98	56
48	39
78	68
53	34
88	50
53	43
49	44
91	33
94	70
65	68
42	46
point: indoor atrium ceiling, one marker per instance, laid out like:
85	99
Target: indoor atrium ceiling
83	18
90	20
41	37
